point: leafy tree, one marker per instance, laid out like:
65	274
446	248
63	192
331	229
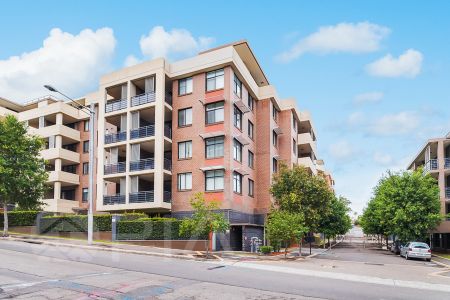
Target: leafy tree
22	171
296	190
284	227
336	221
204	220
405	204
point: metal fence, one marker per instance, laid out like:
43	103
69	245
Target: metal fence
115	137
142	132
114	105
115	168
142	197
113	199
143	99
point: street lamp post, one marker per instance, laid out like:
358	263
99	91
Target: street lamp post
91	112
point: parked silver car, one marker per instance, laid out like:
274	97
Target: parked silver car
416	250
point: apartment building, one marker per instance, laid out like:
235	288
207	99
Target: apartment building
166	130
434	158
66	133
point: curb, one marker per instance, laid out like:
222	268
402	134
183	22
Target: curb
441	263
112	249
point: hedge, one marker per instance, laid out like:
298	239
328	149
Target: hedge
132	216
20	218
151	229
73	223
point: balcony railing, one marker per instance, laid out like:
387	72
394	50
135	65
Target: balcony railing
447	192
142	132
167	131
143	99
114	105
431	165
115	137
167	164
142	197
167	196
114	199
447	163
142	164
115	168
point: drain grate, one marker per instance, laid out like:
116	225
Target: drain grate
217	267
373	264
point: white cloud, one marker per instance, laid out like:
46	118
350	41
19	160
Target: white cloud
344	37
172	44
370	97
72	63
355	118
409	65
383	159
395	124
131	60
341	150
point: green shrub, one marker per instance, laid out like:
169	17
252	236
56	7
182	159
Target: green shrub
150	229
132	216
265	249
20	218
73	223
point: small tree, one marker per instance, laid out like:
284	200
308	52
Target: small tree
204	220
336	221
22	171
285	227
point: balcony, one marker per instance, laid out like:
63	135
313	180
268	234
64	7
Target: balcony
114	199
115	168
63	176
72	134
115	137
142	132
115	105
167	164
447	163
54	153
167	131
167	198
142	99
142	164
447	193
308	163
431	165
142	197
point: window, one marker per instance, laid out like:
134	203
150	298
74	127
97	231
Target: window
250	130
185	117
274	165
237	151
237	118
274	138
184	181
251	187
185	150
274	112
214	180
214	80
85	146
85	168
250	102
294	146
237	86
294	123
237	183
185	86
214	112
85	195
214	147
86	125
251	159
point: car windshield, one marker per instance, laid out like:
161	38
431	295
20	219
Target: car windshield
419	245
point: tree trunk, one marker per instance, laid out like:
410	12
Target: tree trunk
387	242
207	247
324	241
5	219
285	250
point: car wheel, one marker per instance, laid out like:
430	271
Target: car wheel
428	259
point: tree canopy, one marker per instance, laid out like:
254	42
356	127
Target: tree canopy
405	204
337	220
22	171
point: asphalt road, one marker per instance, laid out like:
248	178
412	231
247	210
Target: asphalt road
36	271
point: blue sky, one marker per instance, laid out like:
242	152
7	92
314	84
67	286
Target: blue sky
374	74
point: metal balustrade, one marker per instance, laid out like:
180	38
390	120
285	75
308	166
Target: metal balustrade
114	105
167	197
447	192
115	137
142	197
142	132
113	199
142	164
431	165
167	164
143	99
447	163
167	131
115	168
